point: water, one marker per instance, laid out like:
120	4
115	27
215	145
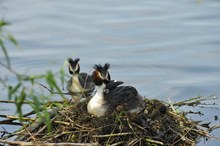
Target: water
163	48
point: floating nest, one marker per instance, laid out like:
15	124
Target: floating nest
158	125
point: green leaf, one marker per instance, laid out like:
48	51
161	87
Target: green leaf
52	83
50	80
48	121
29	78
12	91
60	105
19	102
32	81
3	23
12	39
3	82
36	106
62	77
5	53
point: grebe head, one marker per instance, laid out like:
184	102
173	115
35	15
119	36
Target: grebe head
73	67
101	74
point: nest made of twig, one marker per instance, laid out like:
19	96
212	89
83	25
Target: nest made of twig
158	124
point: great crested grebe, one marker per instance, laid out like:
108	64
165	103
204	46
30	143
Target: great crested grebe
79	83
111	96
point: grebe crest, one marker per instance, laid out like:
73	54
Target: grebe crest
101	74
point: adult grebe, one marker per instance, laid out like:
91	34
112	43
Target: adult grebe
110	96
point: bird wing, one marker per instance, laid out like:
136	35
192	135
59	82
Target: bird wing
86	82
126	96
113	84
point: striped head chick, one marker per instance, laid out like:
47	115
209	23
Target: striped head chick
80	84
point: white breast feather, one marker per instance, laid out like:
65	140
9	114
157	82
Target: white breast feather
96	105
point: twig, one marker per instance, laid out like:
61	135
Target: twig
112	131
29	133
210	107
30	113
9	68
10	122
130	126
134	141
63	123
71	121
183	136
115	134
210	136
36	124
205	134
214	127
154	141
18	75
11	119
41	129
46	144
29	102
50	90
142	128
16	118
2	81
117	143
171	104
195	101
12	101
3	132
79	94
196	113
9	134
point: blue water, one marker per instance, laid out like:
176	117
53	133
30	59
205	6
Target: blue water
163	48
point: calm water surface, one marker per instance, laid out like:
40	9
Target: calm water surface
163	48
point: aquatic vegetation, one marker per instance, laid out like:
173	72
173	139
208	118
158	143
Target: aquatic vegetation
159	124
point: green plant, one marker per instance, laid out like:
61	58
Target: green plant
6	36
24	89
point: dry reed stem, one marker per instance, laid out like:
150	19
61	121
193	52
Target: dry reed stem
22	143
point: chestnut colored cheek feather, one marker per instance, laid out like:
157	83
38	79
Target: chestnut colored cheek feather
96	78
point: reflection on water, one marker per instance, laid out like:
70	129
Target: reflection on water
164	48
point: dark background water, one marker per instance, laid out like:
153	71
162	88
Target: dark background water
163	48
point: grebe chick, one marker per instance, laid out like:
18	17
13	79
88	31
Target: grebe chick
111	96
79	83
